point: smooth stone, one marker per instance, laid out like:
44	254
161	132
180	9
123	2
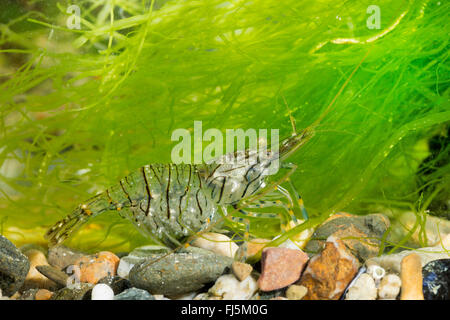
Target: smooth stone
364	288
57	276
184	271
436	280
389	287
411	275
80	292
241	270
14	266
134	294
118	284
228	287
217	243
296	292
36	279
280	267
102	291
137	256
370	227
60	256
328	274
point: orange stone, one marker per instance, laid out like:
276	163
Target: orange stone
95	267
43	294
329	273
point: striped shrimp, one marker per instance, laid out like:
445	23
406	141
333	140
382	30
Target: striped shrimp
170	202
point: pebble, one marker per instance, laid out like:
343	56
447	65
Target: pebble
102	291
184	271
134	294
228	287
241	270
60	256
389	287
217	243
92	268
436	280
280	267
392	262
329	273
364	288
34	278
342	225
14	266
250	248
136	256
296	292
411	276
56	275
43	294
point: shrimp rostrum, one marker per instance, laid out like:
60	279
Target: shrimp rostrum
171	202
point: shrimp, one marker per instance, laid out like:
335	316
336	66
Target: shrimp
169	202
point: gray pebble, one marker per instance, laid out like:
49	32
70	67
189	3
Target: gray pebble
134	294
184	271
14	266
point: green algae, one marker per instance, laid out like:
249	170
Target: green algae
82	108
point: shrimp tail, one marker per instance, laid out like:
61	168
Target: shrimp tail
64	228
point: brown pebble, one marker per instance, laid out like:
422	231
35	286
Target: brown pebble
328	273
43	294
280	267
54	274
411	276
95	267
241	270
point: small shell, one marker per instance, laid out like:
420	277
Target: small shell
389	287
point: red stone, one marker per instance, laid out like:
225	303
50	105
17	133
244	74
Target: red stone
280	267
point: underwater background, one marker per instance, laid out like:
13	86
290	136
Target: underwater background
81	108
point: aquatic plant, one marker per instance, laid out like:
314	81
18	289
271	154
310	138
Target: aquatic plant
81	108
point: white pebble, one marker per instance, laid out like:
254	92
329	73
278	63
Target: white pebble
124	268
228	287
217	243
363	289
102	291
389	287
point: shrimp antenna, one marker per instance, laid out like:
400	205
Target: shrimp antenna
294	128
